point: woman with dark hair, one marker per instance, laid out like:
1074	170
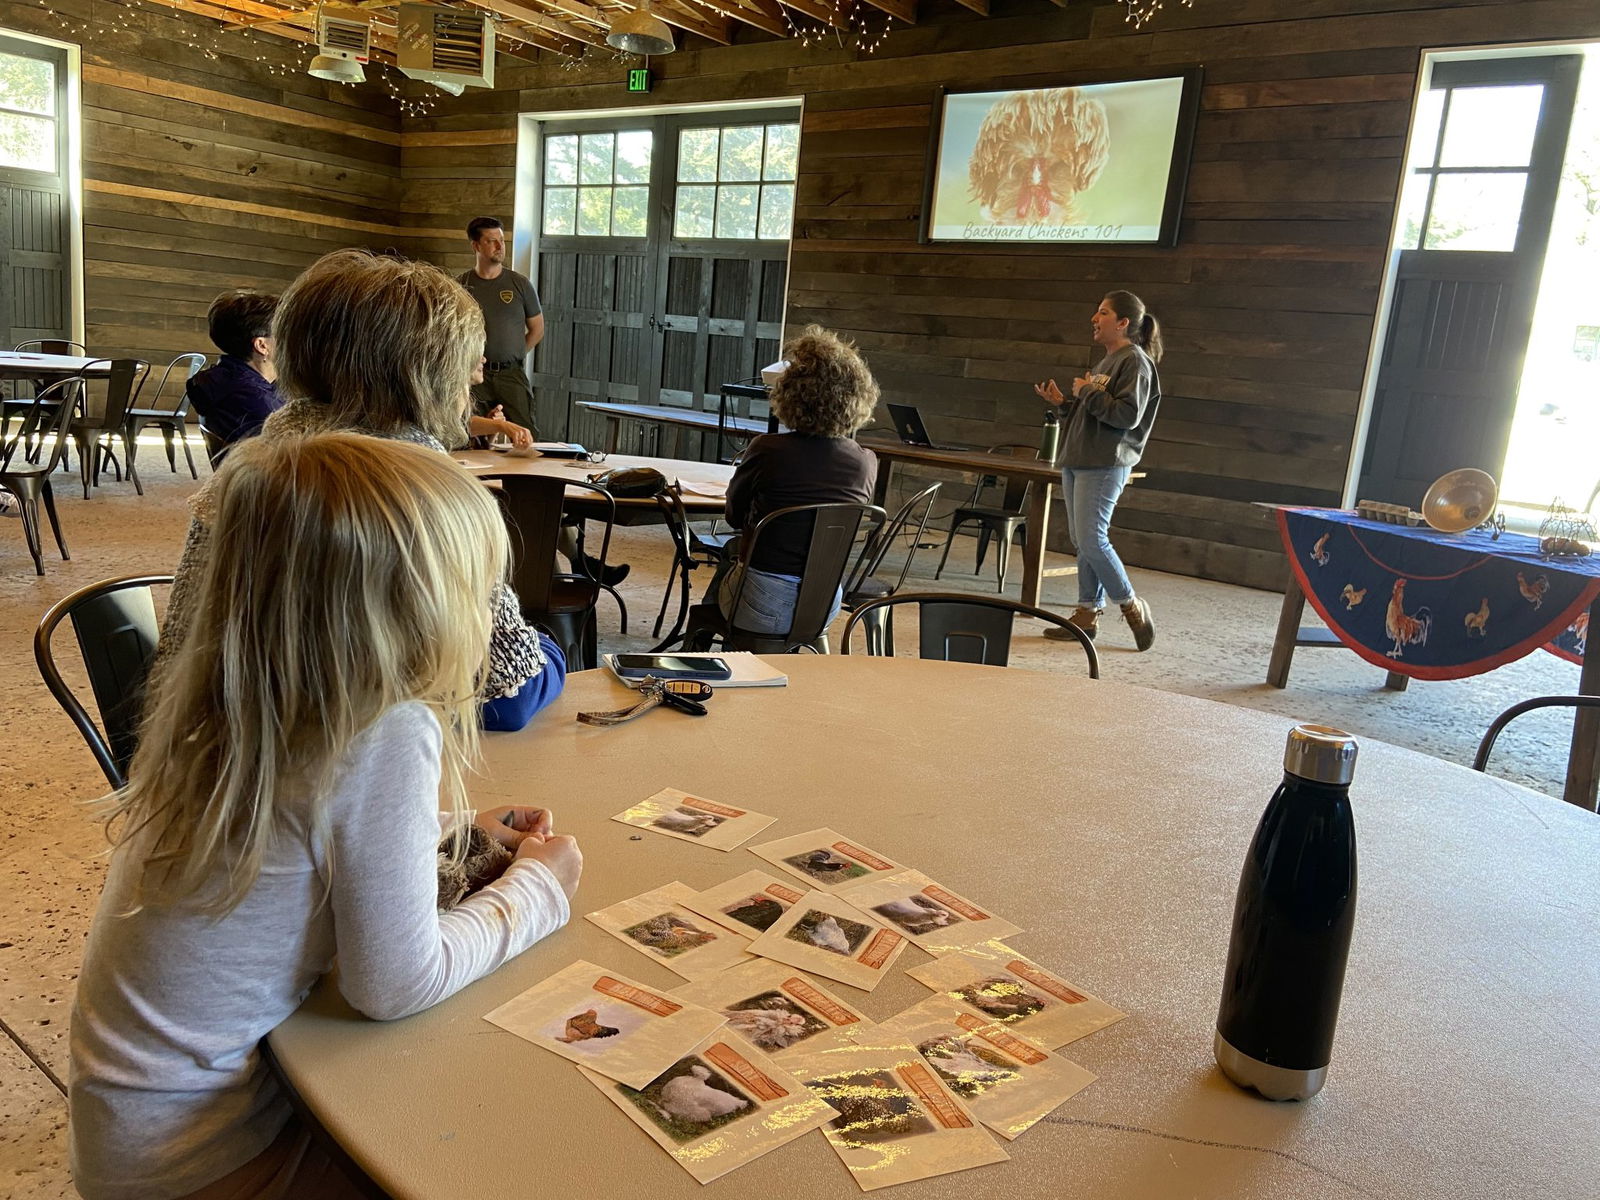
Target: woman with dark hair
236	395
1113	409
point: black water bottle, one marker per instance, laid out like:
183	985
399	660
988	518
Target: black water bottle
1291	925
1050	438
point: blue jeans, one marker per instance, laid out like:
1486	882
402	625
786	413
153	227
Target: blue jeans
767	605
1091	495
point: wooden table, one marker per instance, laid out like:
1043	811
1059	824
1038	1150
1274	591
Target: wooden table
684	419
1111	822
490	464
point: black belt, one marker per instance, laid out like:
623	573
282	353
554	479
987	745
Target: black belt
502	366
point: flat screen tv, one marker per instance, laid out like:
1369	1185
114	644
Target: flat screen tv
1074	162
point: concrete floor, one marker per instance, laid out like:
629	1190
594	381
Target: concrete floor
1213	642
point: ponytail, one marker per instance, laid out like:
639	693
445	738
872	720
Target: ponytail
1143	328
1150	337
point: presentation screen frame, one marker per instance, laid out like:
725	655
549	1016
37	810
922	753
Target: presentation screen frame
1032	228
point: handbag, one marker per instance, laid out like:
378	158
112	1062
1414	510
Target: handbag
631	483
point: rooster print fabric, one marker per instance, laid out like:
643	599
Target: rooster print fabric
1434	605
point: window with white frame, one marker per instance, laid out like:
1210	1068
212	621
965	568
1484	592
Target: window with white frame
597	184
28	113
736	181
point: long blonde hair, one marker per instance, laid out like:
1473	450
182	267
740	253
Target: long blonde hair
347	574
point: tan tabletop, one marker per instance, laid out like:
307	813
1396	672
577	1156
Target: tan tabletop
490	464
1108	820
49	366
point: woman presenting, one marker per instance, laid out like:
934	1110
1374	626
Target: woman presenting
1112	410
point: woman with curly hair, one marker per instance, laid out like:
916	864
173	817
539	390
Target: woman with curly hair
824	395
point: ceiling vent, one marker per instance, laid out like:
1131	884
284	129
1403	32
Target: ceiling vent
446	45
344	33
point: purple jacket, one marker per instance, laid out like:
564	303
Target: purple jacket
232	398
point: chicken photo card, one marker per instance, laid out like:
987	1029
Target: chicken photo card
748	904
606	1022
825	859
695	819
719	1107
897	1120
998	984
775	1007
1008	1080
932	916
826	936
658	925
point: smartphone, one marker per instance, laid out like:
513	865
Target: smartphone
669	666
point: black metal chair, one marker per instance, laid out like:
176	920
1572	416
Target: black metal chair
171	419
216	445
1480	761
1001	522
28	457
865	585
115	621
94	430
692	549
956	627
562	604
834	530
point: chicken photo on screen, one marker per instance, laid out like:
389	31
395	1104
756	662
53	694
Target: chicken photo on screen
1036	151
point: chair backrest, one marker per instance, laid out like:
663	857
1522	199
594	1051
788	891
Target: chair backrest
187	366
46	426
915	509
956	627
123	382
216	444
115	621
53	346
533	507
1480	761
834	528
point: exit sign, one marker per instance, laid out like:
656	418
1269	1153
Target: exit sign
639	79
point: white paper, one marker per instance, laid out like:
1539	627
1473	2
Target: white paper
695	819
776	1007
826	936
995	982
931	915
826	859
657	925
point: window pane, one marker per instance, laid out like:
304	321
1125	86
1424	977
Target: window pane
1412	201
594	158
697	156
783	151
1475	212
27	142
1491	126
736	210
594	212
777	210
28	84
560	210
561	159
633	156
741	153
630	212
1425	128
694	209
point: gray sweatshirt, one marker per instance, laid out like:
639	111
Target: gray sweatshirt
168	1092
1108	425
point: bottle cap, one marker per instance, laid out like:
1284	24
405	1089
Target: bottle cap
1321	754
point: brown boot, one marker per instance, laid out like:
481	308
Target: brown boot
1086	619
1137	614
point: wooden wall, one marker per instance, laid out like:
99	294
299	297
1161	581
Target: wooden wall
203	173
1268	301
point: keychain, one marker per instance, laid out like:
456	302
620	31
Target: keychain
685	695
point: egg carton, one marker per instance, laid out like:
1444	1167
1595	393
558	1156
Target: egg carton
1389	514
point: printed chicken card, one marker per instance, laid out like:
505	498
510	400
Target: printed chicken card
608	1023
695	819
1008	1081
932	916
996	983
719	1107
661	927
825	858
897	1120
826	936
748	904
775	1007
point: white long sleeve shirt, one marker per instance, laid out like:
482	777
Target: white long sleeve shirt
168	1092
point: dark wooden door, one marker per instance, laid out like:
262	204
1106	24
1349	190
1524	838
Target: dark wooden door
1478	203
35	216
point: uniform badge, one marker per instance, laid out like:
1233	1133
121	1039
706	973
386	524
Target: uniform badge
507	296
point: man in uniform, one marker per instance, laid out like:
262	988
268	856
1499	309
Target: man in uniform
512	319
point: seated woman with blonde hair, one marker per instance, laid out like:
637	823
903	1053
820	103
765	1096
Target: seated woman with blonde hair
283	812
383	347
824	395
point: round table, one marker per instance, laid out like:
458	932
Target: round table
1109	821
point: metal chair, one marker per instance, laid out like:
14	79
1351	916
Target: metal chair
864	585
28	458
115	621
1003	521
94	430
1480	761
10	409
692	549
173	421
216	445
834	530
955	627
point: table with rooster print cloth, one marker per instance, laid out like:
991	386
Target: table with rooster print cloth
1428	605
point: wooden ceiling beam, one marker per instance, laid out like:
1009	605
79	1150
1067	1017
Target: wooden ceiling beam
900	10
584	12
715	29
981	7
819	10
533	17
766	15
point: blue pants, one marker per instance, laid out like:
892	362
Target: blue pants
1091	494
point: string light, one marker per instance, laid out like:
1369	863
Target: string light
856	28
1140	11
205	37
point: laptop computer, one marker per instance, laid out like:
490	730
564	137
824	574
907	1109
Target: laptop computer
908	424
